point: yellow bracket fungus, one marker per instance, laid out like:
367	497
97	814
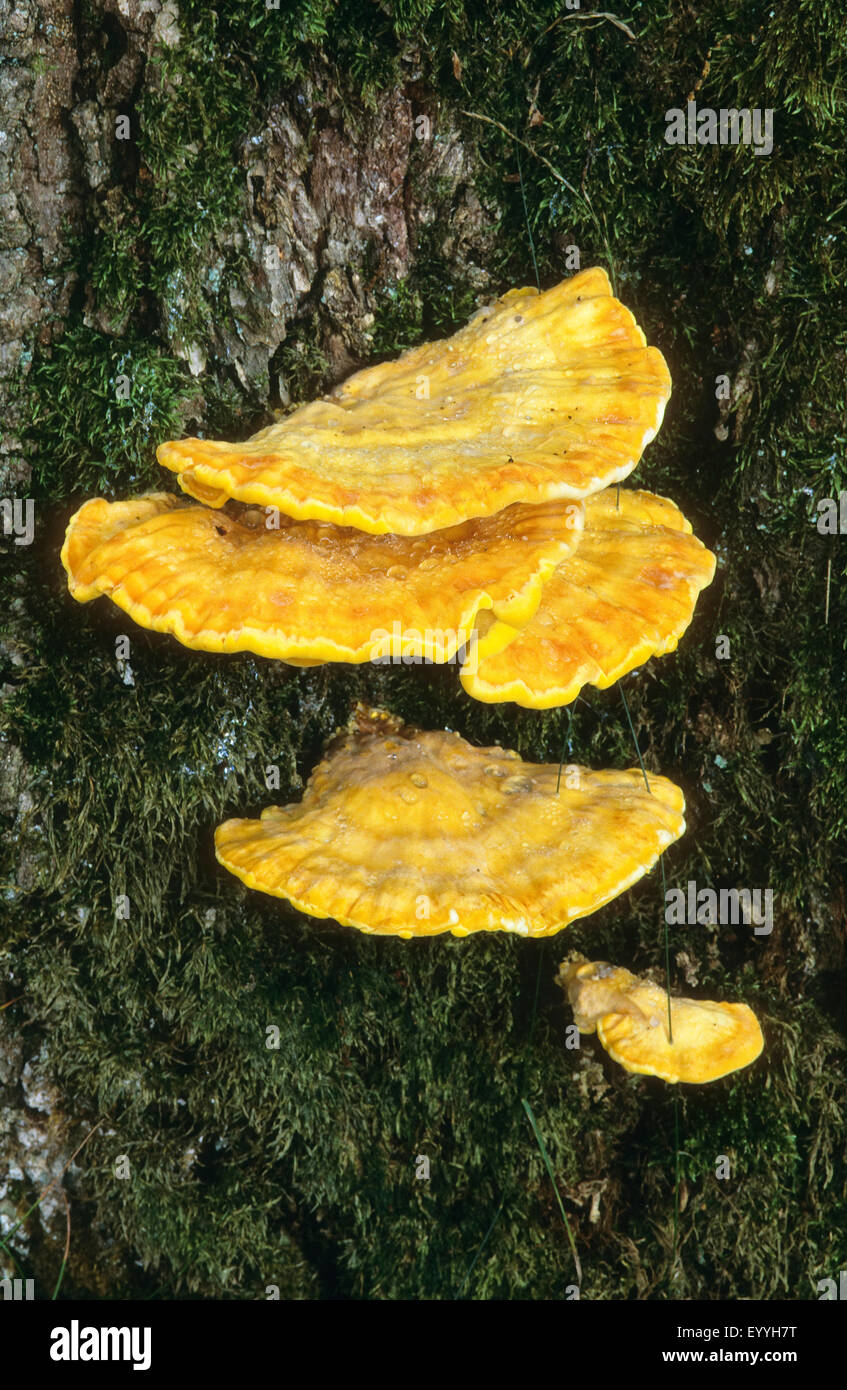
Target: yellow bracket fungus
409	833
627	593
309	592
630	1015
540	396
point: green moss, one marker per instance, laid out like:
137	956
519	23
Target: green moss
98	407
432	302
301	367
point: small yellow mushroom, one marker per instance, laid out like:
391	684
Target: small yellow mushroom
626	593
306	592
402	832
539	397
630	1015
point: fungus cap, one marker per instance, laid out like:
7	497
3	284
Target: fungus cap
309	592
630	1014
628	592
407	833
540	396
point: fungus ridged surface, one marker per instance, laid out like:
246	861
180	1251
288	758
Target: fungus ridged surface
630	1014
310	592
407	833
627	593
540	396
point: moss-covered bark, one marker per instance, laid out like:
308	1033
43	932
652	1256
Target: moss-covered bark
254	135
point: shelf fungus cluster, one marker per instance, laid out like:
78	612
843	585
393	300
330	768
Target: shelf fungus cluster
459	504
403	832
648	1032
307	592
